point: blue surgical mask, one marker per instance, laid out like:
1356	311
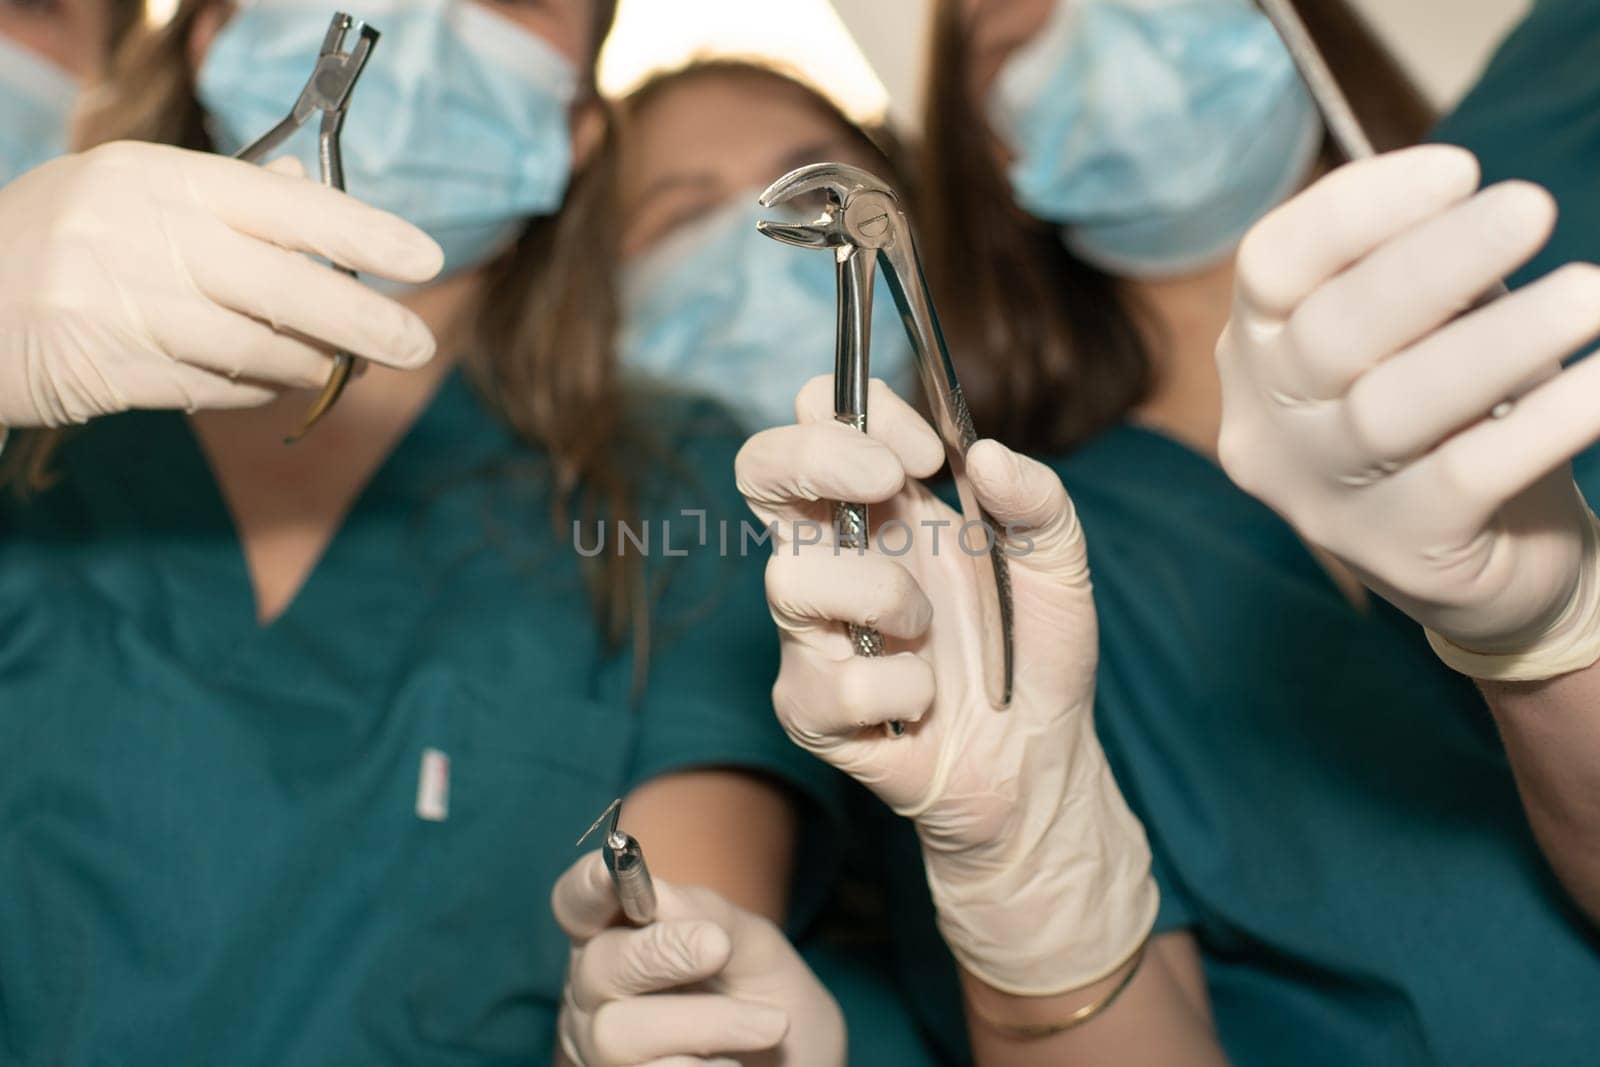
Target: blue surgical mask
723	311
1155	131
36	98
458	124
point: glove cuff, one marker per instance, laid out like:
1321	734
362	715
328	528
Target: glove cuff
1571	643
1063	914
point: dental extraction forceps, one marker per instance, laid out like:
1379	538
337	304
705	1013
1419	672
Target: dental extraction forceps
636	892
327	92
1340	117
863	226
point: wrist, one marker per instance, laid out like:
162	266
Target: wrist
1066	902
1570	642
1019	1018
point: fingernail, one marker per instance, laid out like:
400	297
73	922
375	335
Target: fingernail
416	345
985	459
708	943
888	474
406	253
418	256
1449	170
761	1023
1521	210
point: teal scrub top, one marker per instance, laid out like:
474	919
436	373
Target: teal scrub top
211	847
1535	116
1331	812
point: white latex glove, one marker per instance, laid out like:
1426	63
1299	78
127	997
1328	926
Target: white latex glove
144	276
1356	404
705	983
1040	873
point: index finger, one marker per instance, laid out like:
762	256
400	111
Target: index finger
1345	216
783	471
890	420
306	216
633	962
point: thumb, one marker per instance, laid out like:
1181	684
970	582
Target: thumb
288	166
1032	508
583	900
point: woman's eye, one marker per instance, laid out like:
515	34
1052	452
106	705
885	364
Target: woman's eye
679	217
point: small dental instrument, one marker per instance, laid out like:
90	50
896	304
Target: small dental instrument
1314	70
863	226
1340	117
625	861
327	92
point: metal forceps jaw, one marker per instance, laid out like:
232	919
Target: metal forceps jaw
865	226
326	92
624	859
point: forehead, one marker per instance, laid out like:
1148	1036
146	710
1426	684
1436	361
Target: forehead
734	123
698	142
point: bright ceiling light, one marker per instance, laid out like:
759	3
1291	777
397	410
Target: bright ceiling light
158	13
805	36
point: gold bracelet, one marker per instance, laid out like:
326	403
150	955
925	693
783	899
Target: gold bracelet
1039	1031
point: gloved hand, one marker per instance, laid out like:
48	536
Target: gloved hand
704	983
1357	405
1040	874
144	276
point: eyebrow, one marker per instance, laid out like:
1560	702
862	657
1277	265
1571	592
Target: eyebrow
820	151
1005	43
671	180
815	151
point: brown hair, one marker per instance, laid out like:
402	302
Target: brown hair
542	356
121	17
1051	349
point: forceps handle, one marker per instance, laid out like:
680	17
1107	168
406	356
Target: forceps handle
257	150
331	163
851	377
850	520
332	174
